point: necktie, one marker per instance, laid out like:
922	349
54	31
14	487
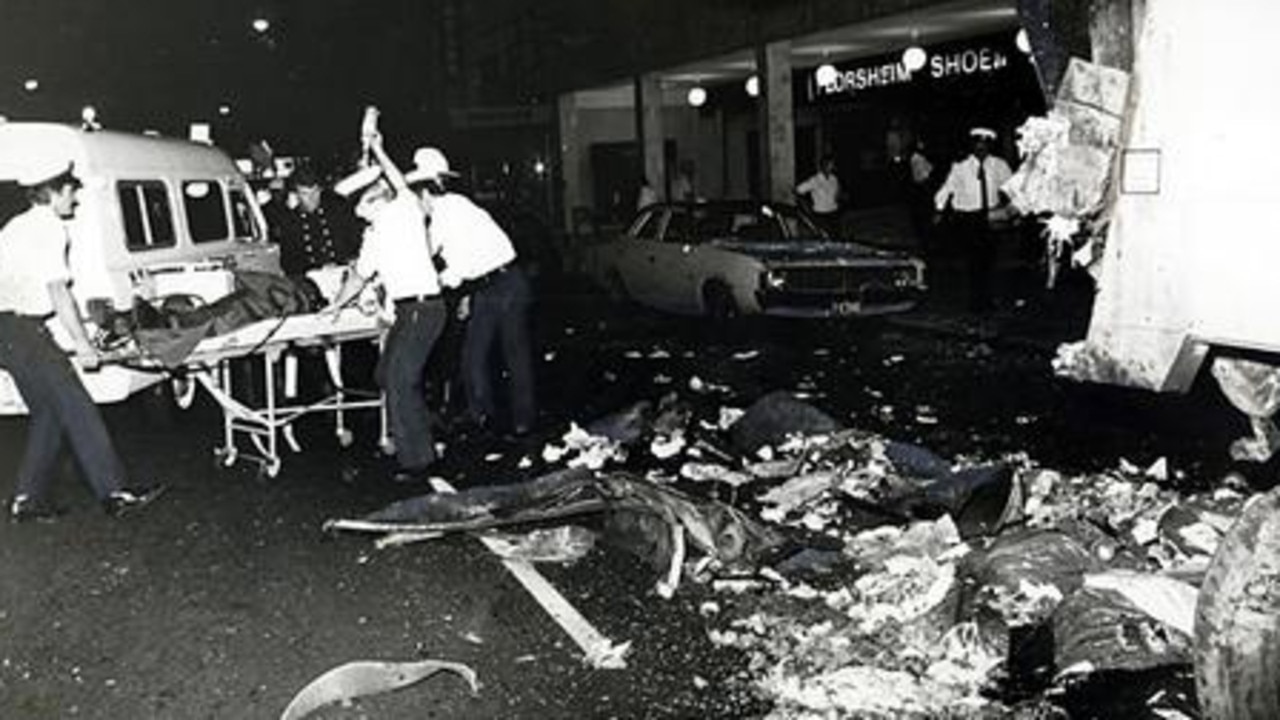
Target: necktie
982	185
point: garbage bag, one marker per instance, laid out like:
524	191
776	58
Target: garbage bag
772	418
1097	630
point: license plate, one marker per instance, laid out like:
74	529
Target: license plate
845	307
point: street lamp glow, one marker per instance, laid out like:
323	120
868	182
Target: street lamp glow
31	85
261	25
697	96
753	85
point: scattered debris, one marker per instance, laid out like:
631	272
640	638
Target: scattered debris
363	678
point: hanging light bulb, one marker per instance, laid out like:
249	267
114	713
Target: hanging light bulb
826	74
914	58
697	96
753	86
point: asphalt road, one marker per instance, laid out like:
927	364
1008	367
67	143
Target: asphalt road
225	598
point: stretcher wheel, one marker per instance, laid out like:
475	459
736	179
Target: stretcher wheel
345	437
269	468
388	446
227	456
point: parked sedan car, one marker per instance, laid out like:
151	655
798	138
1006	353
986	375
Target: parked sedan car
725	258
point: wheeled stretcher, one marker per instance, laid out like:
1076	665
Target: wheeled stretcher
265	426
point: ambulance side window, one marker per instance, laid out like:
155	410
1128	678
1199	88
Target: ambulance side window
206	210
148	219
242	223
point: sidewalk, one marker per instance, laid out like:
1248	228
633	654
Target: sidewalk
1026	316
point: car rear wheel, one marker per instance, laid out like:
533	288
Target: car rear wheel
718	302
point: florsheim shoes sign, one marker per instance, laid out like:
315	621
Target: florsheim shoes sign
971	58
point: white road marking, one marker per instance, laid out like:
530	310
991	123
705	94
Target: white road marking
599	651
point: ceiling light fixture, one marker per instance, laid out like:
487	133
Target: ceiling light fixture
914	57
826	74
31	85
697	96
1023	41
753	86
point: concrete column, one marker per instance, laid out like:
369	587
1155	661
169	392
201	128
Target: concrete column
650	131
570	157
777	120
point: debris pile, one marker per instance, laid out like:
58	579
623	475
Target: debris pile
865	577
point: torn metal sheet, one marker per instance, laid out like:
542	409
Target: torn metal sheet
365	677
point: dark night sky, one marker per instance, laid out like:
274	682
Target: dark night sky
165	63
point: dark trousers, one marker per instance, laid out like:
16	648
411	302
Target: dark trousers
974	232
59	407
498	328
401	375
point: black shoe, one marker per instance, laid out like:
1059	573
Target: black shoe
24	508
124	502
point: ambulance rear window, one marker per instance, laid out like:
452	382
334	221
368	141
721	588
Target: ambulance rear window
206	210
148	219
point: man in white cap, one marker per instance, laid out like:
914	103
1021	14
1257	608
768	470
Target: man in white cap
35	285
479	258
973	192
395	252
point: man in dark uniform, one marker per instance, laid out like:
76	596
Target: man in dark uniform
318	230
35	284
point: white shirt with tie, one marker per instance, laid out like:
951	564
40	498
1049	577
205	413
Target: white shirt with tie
961	186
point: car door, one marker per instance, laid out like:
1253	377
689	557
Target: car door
630	257
675	277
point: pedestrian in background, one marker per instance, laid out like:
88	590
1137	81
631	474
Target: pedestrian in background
479	258
972	192
395	251
35	285
646	195
823	191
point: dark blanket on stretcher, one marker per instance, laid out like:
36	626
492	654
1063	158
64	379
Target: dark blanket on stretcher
167	330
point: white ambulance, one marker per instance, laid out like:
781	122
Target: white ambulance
156	216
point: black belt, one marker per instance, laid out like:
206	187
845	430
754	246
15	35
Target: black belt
26	316
414	299
489	277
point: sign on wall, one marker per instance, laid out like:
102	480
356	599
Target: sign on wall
971	59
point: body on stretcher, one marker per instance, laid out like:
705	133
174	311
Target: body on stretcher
126	371
209	366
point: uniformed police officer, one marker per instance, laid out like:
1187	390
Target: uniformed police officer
35	284
479	258
395	252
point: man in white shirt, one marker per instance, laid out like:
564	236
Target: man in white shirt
823	189
973	192
395	252
479	259
35	285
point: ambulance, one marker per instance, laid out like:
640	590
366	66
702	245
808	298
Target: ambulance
156	216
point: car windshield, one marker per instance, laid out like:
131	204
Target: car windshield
755	223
